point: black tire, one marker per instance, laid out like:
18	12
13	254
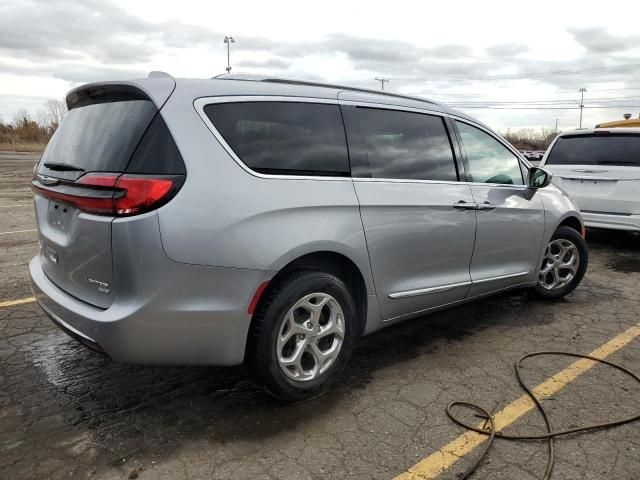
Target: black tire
261	357
574	237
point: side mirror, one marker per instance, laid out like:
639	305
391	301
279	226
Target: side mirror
539	177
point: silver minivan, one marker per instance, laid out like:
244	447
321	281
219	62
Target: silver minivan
272	222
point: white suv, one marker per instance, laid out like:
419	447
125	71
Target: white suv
600	169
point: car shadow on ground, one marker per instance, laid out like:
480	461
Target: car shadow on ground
623	247
131	409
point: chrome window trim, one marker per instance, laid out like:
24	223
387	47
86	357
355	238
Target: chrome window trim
515	152
441	182
504	143
600	179
388	106
450	286
201	102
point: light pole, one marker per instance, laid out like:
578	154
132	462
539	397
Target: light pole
557	124
229	40
582	90
382	81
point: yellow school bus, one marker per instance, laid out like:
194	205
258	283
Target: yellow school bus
627	122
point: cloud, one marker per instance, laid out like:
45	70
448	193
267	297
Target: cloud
71	72
66	38
375	54
91	29
600	40
507	50
267	63
94	40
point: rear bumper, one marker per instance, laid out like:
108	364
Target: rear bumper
611	221
198	316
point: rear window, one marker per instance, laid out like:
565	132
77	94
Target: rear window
609	149
284	137
99	137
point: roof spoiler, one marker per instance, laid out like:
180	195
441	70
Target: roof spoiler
158	74
158	87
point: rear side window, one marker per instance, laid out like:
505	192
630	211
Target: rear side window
406	145
489	160
284	137
607	149
157	152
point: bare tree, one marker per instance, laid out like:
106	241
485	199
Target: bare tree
26	128
54	110
21	117
42	118
529	138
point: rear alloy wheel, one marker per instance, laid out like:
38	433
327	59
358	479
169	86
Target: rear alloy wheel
310	337
563	264
302	335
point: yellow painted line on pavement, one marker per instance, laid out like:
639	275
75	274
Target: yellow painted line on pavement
436	463
10	303
17	231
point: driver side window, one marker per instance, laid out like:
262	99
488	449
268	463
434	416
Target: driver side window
489	160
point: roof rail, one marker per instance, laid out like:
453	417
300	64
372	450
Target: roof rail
308	83
346	87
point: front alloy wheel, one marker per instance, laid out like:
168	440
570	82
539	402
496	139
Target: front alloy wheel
563	265
559	265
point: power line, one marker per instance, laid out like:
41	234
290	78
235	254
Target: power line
382	81
519	76
582	91
611	100
543	108
604	89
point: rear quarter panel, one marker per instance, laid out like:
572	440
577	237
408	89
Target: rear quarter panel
225	216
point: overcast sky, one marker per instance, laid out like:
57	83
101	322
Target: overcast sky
470	54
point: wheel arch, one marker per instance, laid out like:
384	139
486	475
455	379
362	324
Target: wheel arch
572	221
332	262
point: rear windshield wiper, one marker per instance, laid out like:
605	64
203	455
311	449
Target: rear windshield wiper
63	167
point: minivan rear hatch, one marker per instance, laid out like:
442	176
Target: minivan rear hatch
601	170
109	157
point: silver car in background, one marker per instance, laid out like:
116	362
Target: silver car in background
600	169
272	222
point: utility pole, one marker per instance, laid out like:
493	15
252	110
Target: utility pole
229	40
582	90
557	124
382	81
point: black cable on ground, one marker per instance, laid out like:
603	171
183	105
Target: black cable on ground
550	435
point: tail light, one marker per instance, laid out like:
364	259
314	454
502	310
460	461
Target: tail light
113	193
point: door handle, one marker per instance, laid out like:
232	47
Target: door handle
486	206
463	205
